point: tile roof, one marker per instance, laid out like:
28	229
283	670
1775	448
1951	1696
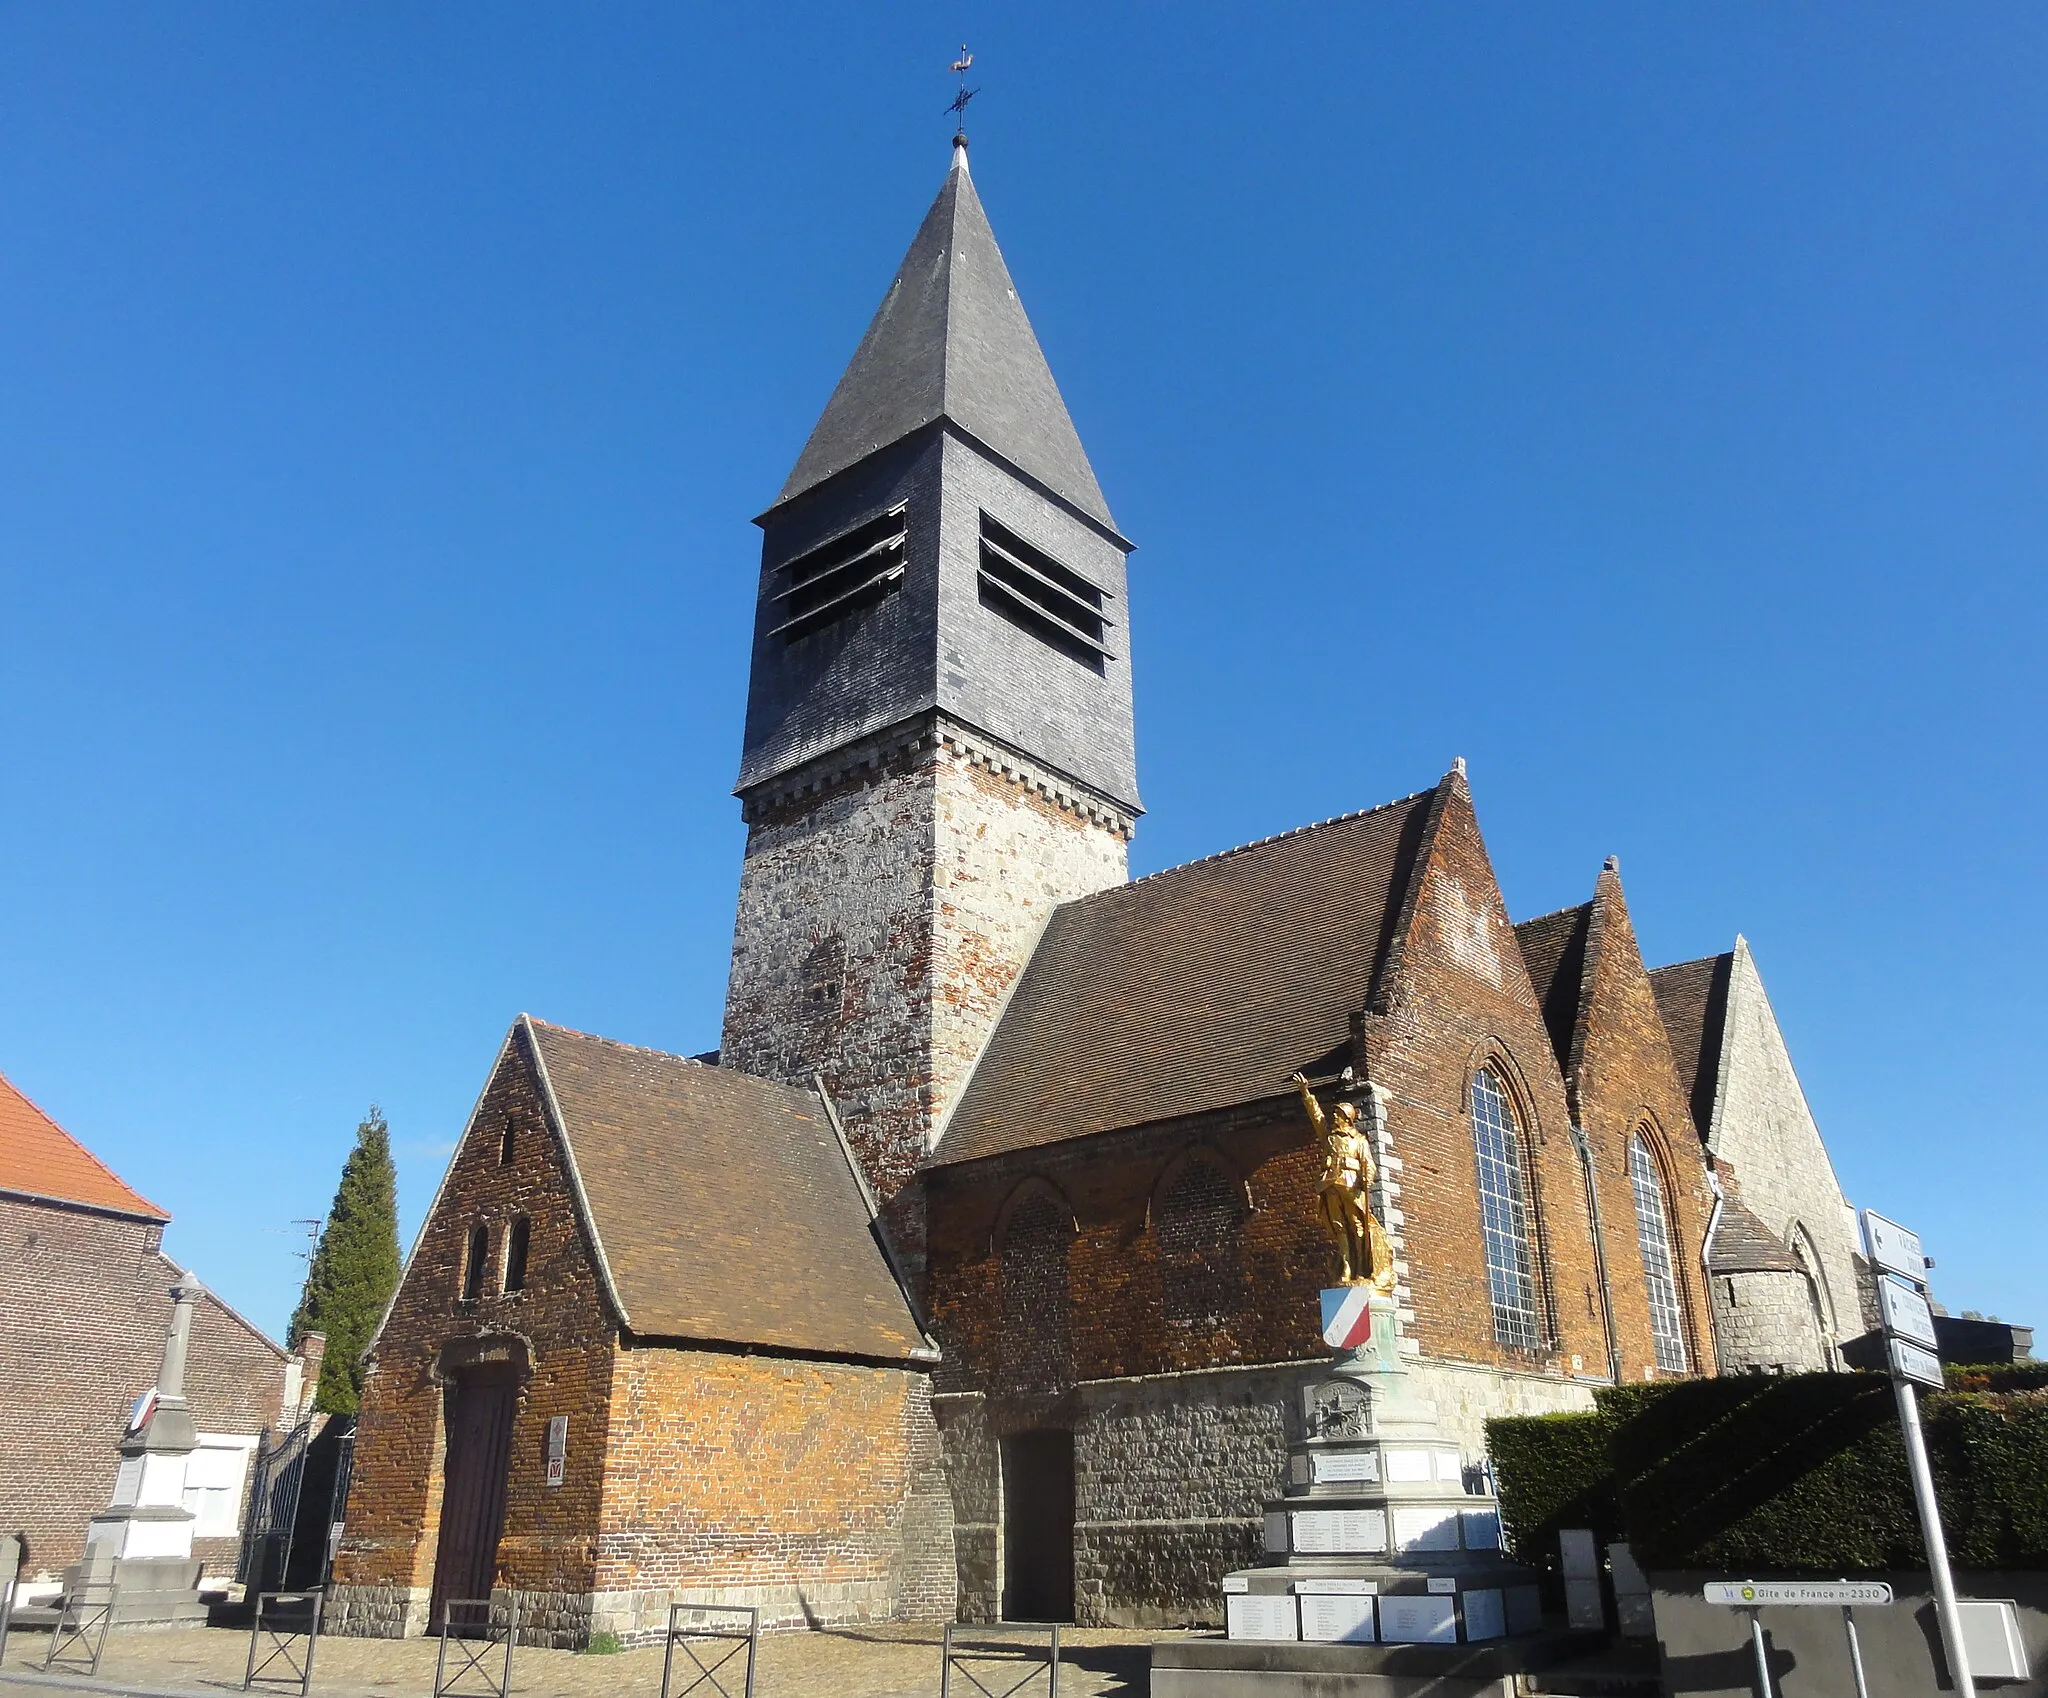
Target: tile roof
1692	997
950	340
1554	951
38	1158
1743	1244
724	1205
1195	989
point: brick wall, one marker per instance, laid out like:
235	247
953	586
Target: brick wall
882	920
84	1307
1625	1085
559	1329
809	1490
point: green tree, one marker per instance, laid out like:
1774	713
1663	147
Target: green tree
355	1267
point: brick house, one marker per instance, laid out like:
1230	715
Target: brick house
84	1306
1069	1092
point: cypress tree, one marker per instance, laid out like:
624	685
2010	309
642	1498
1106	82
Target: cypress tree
355	1267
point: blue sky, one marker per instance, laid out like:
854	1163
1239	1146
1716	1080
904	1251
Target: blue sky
1648	404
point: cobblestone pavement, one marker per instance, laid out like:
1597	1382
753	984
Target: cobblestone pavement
890	1660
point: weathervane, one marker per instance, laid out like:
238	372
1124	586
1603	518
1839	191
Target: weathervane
959	68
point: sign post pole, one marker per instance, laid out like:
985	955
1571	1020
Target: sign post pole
1930	1530
1901	1270
1855	1652
1763	1660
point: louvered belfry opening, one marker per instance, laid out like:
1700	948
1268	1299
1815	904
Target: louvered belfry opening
1034	592
855	569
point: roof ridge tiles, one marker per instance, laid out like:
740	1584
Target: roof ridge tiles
1553	913
636	1049
1255	843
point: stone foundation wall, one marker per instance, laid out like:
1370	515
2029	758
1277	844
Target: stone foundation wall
1171	1474
376	1612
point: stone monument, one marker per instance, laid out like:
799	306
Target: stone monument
142	1541
1384	1573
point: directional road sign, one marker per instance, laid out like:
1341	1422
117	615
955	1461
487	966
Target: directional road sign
1910	1362
1747	1594
1906	1314
1893	1248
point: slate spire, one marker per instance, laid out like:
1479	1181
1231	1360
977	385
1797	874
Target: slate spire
950	340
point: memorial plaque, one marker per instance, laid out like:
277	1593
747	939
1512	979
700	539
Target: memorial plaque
1341	1619
1276	1530
1450	1465
1336	1586
1486	1615
1337	1531
1340	1466
1906	1314
1525	1609
1336	1409
1297	1469
1482	1529
1443	1583
1407	1619
1236	1583
1409	1465
1425	1527
1261	1615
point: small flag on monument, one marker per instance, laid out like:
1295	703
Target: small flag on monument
1347	1316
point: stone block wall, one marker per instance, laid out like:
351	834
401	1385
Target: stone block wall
84	1306
1763	1127
1765	1321
1172	1472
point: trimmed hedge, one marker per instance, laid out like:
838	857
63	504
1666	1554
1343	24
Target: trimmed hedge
1759	1473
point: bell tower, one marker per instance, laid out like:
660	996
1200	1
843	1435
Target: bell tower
938	738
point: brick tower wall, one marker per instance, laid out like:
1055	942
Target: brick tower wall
884	917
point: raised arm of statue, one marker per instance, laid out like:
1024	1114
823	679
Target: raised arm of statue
1308	1101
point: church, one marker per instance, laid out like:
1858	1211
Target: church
975	1273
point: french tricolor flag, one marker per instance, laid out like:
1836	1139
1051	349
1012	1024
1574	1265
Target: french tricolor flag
1347	1316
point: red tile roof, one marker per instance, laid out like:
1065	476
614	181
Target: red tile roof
38	1158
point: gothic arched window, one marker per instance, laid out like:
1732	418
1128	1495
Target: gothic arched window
1504	1214
1199	1225
1660	1273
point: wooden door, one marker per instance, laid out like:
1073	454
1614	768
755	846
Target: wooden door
1038	1527
479	1423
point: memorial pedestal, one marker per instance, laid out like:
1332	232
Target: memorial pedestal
1382	1535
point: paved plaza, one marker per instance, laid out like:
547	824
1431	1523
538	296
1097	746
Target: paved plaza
890	1660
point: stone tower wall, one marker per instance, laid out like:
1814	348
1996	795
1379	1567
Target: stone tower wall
884	915
1764	1129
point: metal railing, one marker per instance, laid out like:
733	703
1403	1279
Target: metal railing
998	1651
469	1626
10	1586
282	1635
81	1631
697	1639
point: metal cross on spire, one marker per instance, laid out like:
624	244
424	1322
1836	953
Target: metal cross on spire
959	68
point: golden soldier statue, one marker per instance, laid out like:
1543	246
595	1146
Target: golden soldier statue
1348	1171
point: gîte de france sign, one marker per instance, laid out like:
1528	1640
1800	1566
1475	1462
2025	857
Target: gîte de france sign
1755	1592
